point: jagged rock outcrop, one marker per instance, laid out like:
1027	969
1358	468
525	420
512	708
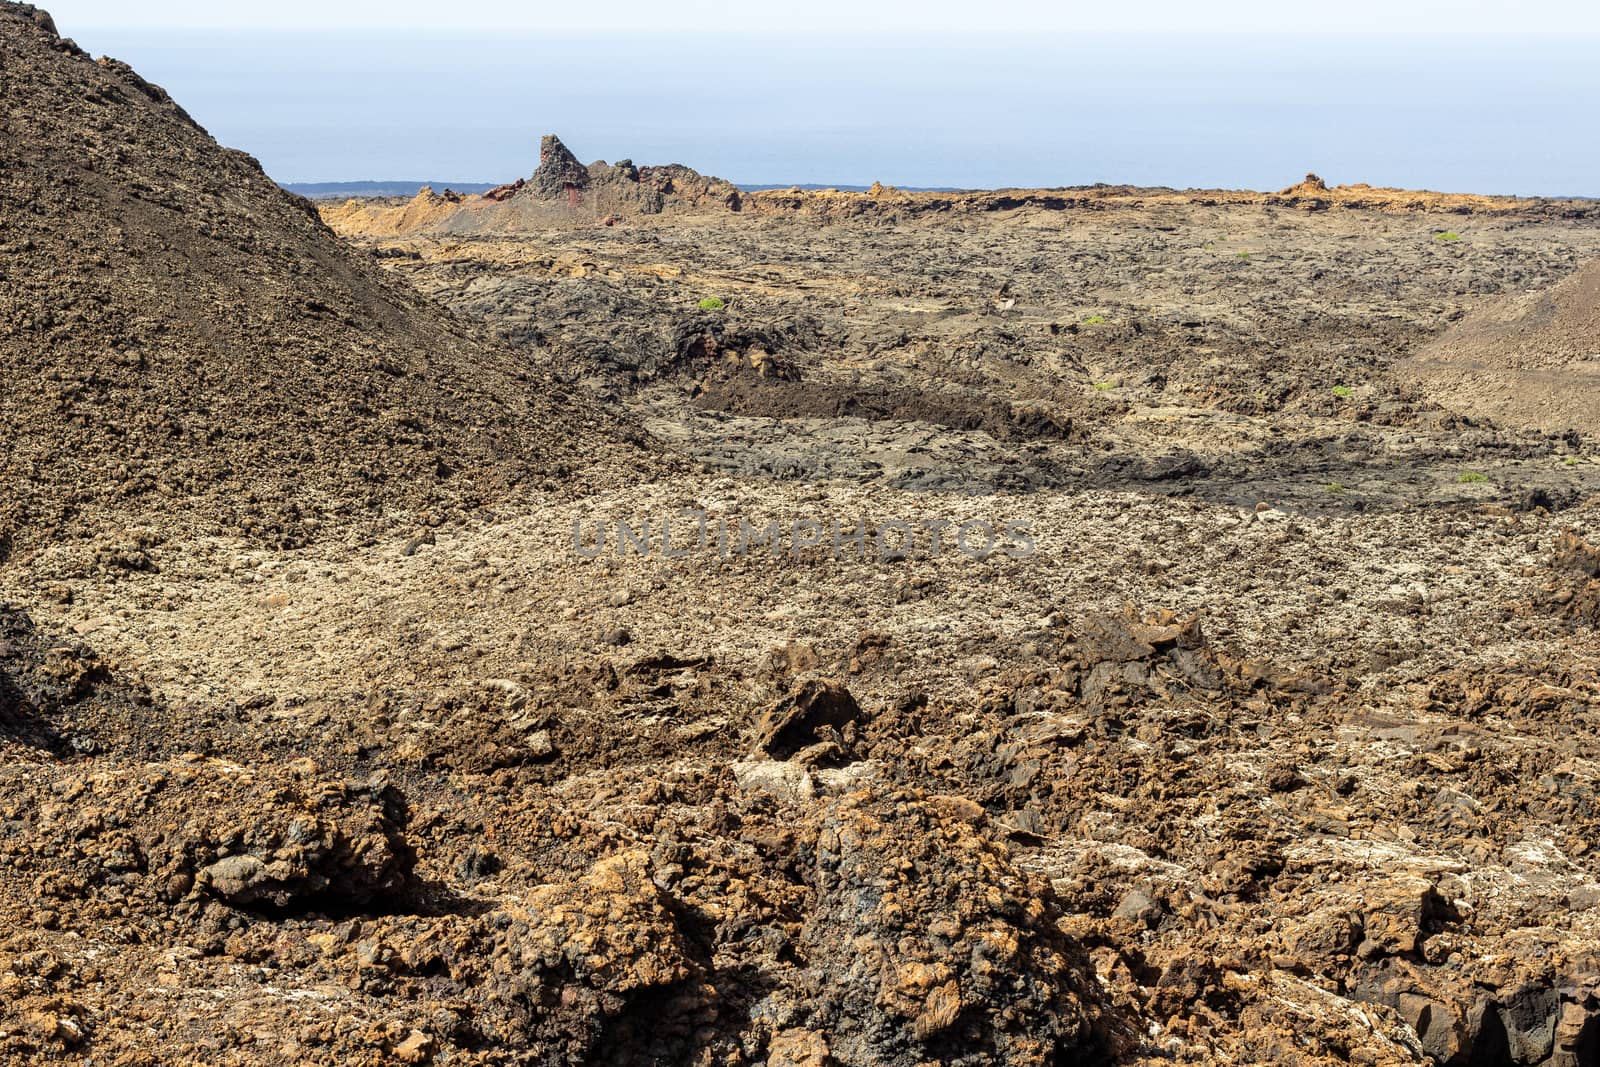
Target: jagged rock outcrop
559	170
928	945
47	684
561	192
621	186
1310	187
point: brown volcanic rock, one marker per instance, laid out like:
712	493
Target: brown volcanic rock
805	717
927	944
180	337
181	834
1310	186
47	684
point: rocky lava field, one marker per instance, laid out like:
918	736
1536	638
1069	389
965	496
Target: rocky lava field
324	742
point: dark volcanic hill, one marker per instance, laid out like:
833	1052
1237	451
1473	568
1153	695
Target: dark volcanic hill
1528	359
180	338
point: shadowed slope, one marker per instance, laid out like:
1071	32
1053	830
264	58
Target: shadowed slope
1531	360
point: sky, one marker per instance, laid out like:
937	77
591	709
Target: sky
907	97
845	16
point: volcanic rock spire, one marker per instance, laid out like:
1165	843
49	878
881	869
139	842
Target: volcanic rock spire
559	170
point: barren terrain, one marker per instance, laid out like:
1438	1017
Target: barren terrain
1275	746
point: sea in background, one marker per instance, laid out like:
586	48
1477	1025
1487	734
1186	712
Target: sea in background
1505	114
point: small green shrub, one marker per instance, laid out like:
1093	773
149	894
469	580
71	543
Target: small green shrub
1472	477
1570	461
711	303
1447	236
1103	386
1343	392
1337	487
1245	256
1096	320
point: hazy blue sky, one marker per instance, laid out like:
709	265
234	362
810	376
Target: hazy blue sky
837	101
843	16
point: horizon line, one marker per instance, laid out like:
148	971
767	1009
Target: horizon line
647	29
459	186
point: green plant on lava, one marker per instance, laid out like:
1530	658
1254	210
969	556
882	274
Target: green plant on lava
1448	236
1096	320
1472	477
1343	392
711	303
1103	386
1337	487
1244	256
